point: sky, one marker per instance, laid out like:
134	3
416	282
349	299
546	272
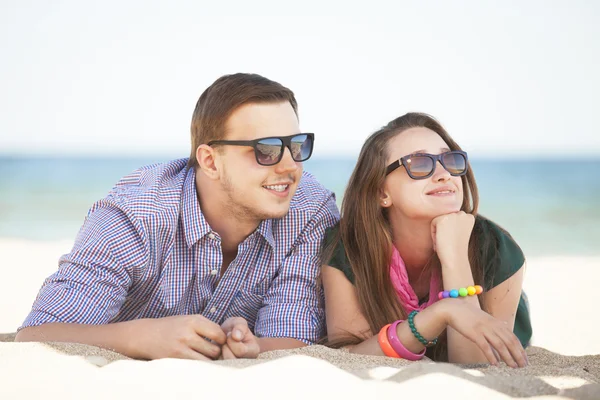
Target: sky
506	78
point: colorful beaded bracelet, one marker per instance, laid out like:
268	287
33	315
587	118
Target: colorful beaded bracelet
413	329
462	292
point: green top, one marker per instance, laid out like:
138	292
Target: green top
502	259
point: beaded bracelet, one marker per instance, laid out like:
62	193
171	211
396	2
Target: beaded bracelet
384	343
462	292
413	329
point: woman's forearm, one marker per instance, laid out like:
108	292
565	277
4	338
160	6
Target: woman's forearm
430	322
460	349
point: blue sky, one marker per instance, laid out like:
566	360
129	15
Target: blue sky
122	77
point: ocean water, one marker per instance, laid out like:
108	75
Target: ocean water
550	206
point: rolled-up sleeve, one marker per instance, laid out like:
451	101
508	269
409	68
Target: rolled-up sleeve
92	281
293	305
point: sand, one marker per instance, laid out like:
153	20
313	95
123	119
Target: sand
564	358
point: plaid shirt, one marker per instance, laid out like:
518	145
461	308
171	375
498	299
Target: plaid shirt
146	251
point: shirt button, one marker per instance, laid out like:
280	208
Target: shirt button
212	310
211	235
214	272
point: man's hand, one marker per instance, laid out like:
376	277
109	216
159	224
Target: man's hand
182	336
241	342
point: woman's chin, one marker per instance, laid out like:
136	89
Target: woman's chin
446	210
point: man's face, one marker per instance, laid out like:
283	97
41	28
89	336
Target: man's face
253	191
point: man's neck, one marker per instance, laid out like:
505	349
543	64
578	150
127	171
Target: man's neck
232	229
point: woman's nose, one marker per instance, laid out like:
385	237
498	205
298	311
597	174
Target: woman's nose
440	174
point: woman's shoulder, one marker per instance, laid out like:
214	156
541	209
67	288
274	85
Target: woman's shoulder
334	252
500	254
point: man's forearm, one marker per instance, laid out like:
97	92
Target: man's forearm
117	337
269	343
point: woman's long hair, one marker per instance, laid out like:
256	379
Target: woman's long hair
366	233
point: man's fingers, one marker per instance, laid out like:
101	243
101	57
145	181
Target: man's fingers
188	353
235	328
237	347
226	353
204	347
208	329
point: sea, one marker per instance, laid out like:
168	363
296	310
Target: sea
550	206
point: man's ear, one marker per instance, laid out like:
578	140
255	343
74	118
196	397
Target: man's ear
207	161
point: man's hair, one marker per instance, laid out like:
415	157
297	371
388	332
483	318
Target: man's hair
223	97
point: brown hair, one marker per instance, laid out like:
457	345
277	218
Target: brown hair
366	234
223	97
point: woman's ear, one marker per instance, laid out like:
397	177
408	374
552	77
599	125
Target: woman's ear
207	161
384	199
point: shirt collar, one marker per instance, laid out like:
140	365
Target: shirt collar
195	226
266	230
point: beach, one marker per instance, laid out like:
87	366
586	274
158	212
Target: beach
564	357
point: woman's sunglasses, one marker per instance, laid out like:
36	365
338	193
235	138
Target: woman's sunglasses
269	150
422	166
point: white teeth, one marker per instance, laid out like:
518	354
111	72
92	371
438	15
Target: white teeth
277	188
443	191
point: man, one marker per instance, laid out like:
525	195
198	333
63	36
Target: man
212	256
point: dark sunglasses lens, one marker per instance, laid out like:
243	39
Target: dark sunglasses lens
268	151
419	166
301	147
454	162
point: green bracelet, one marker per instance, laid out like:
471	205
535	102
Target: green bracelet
413	329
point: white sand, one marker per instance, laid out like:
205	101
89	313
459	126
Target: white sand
563	295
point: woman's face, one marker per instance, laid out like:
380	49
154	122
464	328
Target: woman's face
426	198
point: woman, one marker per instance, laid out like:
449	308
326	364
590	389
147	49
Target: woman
409	236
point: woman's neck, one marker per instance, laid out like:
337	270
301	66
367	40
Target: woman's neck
415	245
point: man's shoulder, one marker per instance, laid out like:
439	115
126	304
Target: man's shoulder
310	195
149	188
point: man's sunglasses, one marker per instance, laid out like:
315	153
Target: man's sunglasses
422	165
269	150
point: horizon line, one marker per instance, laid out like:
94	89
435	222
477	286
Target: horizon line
321	157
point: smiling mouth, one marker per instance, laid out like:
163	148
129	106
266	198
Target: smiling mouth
443	192
277	188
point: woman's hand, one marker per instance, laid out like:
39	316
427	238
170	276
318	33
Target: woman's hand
491	335
451	234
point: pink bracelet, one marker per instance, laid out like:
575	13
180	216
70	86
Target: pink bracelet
398	347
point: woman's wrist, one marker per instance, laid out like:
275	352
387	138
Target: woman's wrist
456	261
443	310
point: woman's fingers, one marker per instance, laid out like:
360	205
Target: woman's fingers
486	349
500	346
514	346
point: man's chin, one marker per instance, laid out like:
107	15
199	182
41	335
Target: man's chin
277	212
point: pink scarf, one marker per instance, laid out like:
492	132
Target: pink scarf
405	292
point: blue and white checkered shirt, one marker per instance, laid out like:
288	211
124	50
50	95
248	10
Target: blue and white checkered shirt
146	251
